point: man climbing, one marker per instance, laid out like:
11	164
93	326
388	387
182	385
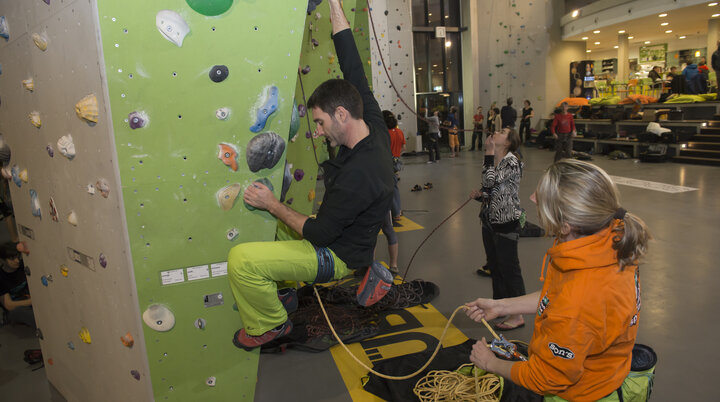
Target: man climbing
358	193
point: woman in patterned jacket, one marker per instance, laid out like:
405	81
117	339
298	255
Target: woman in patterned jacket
500	219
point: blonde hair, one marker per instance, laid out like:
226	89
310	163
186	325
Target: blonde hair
584	197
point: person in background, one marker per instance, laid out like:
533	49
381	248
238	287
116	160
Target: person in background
587	313
433	136
656	76
497	121
490	119
477	129
527	114
397	146
15	301
500	219
508	114
702	66
452	124
563	130
715	62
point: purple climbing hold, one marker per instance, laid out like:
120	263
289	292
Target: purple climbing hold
136	120
315	42
308	134
135	374
299	174
50	150
302	110
305	69
47	2
103	260
289	201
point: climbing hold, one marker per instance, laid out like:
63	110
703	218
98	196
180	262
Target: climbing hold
234	307
15	174
64	270
289	201
91	189
312	4
53	210
159	318
85	335
72	218
264	151
314	42
87	108
223	113
311	195
50	150
44	280
299	174
305	70
302	110
308	134
22	247
137	120
4	29
39	334
29	84
47	2
35	119
232	234
66	146
318	16
71	345
269	102
294	138
228	154
23	175
287	180
103	260
226	196
210	8
40	41
102	185
331	59
200	323
135	374
267	184
35	204
127	340
294	121
172	26
211	381
218	73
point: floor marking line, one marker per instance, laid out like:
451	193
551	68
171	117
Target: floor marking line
651	185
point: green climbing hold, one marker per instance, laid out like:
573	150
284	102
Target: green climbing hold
506	52
516	11
499	65
501	24
490	75
210	8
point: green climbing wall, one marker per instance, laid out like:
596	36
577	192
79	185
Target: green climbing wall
318	53
170	171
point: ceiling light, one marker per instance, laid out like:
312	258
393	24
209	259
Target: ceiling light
575	13
647	42
597	43
662	15
697	53
621	31
682	37
664	24
584	38
668	31
419	68
588	51
712	4
448	44
434	65
597	31
715	15
615	47
631	37
430	14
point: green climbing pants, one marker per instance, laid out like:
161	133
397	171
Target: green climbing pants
253	270
636	388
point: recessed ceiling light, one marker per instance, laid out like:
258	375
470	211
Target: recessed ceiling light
682	37
597	43
631	37
662	15
621	31
584	38
668	31
448	44
588	51
597	31
615	47
664	24
434	65
712	4
716	15
575	13
647	42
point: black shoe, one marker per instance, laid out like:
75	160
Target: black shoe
288	298
484	271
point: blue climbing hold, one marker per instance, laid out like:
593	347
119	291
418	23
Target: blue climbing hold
44	280
15	172
4	30
264	112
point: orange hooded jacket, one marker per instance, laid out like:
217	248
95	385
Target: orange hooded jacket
586	322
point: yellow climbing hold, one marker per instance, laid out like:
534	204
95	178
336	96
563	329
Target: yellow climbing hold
35	119
85	335
311	195
87	108
64	270
23	175
40	41
29	84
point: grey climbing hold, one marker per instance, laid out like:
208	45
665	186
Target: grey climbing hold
264	151
218	73
287	180
294	121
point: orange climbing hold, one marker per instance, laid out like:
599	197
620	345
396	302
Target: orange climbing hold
127	340
228	155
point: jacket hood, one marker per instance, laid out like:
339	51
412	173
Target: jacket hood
692	66
594	251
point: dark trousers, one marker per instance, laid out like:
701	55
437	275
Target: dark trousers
563	146
395	207
501	249
433	146
525	127
476	138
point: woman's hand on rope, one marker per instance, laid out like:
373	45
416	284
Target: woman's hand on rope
483	309
476	194
481	355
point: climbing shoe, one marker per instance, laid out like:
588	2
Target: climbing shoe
375	285
288	298
241	339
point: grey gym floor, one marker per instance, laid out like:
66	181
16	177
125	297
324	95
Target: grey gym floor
679	278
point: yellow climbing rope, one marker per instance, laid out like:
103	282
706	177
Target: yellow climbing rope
443	385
